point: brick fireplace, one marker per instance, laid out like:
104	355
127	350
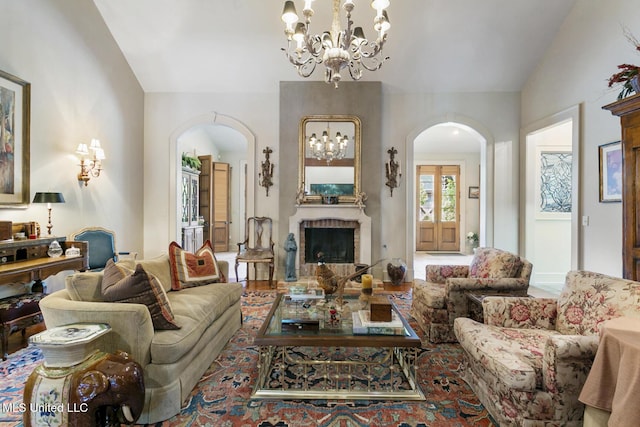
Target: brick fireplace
331	229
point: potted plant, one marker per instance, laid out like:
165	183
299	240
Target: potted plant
190	162
473	239
628	74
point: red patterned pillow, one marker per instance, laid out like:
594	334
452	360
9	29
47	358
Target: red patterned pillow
120	284
189	270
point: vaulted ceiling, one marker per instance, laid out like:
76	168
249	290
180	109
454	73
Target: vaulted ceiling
234	46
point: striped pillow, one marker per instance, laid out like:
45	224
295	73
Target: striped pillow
189	270
120	284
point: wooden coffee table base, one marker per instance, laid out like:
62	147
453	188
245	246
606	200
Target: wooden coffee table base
387	373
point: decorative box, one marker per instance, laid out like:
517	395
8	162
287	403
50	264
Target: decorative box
380	309
6	230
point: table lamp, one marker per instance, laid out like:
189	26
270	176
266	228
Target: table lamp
48	198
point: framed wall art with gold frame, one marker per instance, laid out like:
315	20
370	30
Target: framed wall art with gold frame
15	112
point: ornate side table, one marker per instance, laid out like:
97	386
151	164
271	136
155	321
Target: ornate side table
78	384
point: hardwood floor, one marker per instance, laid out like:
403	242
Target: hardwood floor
16	341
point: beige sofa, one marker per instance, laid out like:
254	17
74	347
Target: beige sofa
173	360
528	362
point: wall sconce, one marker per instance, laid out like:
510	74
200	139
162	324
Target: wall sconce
90	167
393	172
267	171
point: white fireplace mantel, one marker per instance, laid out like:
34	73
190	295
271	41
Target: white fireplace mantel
341	212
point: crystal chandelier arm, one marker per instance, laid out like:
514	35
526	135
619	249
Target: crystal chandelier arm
304	61
370	59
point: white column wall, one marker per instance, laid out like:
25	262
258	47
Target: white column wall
575	70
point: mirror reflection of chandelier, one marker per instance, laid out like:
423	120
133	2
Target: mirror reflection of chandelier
326	148
336	48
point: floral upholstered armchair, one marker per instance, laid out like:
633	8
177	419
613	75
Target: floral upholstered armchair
528	362
442	298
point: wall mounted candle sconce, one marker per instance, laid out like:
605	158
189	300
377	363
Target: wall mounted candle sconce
266	175
90	166
393	172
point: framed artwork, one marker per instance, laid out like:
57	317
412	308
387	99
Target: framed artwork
15	98
610	159
474	192
555	173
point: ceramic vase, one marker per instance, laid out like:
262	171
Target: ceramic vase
396	269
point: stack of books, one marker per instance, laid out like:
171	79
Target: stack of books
362	324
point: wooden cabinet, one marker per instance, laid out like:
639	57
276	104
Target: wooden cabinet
23	261
192	238
628	109
190	197
215	178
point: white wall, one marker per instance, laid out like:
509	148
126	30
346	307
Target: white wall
82	88
403	114
575	70
494	115
165	113
548	235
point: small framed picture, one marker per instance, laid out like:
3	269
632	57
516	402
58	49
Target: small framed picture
610	159
474	192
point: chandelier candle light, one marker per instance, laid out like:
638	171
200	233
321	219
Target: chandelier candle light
337	48
325	148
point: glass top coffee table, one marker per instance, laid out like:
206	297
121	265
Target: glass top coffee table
310	349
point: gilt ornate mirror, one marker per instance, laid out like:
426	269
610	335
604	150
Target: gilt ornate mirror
329	159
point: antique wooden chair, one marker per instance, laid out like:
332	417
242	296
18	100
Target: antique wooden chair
257	247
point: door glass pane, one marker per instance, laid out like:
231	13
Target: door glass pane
426	198
185	199
448	205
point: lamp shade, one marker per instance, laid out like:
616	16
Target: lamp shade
48	198
289	15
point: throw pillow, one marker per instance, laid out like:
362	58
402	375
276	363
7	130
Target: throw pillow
120	284
189	269
494	264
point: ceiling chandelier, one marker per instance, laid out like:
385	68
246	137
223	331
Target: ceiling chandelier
336	48
327	149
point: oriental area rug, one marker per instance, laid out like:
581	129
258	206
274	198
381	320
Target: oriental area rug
222	397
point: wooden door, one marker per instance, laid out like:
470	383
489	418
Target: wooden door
221	206
215	202
206	207
438	202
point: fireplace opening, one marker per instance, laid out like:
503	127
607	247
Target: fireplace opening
336	244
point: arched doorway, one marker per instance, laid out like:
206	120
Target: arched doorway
444	132
175	159
551	231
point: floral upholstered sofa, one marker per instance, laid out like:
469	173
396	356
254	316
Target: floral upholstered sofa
439	300
528	362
